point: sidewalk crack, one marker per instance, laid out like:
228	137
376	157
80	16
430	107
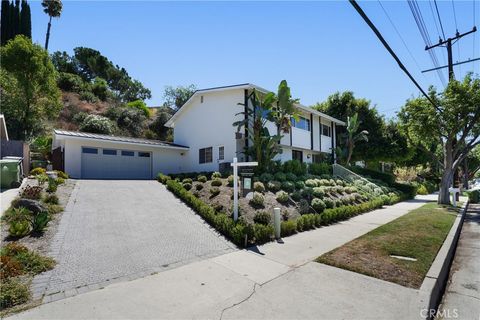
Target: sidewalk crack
240	302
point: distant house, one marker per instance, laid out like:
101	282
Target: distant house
204	140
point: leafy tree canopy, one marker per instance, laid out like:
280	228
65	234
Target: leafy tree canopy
91	64
28	87
175	97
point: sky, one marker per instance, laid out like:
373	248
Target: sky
319	47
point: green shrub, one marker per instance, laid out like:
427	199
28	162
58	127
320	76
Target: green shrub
318	205
281	196
318	192
262	218
216	175
422	190
409	190
299	185
198	186
288	186
324	182
319	168
52	186
100	88
19	228
54	208
303	207
307	192
306	222
40	221
291	177
187	180
263	233
59	181
257	200
70	82
230	181
474	196
340	182
51	198
214	192
280	176
311	183
266	177
348	190
288	228
13	293
140	106
163	178
274	186
187	186
216	182
329	203
258	186
295	167
202	178
296	195
41	179
37	171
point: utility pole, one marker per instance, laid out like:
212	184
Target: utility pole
451	75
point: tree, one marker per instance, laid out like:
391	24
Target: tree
5	23
382	136
353	135
141	106
283	109
175	97
453	123
25	20
28	87
157	126
54	9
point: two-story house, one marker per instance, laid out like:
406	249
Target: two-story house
204	140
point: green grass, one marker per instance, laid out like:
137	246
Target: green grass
418	234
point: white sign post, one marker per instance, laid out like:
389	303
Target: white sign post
235	166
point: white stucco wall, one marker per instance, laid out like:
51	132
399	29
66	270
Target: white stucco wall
209	124
163	160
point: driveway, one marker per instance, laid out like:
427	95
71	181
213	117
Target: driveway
121	230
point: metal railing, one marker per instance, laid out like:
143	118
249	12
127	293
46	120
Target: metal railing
352	177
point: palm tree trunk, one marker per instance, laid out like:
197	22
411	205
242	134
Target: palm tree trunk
48	33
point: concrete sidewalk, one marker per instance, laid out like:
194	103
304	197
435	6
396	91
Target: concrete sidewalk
276	280
462	294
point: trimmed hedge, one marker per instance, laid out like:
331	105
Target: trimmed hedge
409	190
474	196
383	176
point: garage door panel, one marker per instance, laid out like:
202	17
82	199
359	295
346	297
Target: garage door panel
105	165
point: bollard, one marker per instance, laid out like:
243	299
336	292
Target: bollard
276	222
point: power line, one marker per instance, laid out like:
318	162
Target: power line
392	53
417	15
439	19
474	35
456	29
400	36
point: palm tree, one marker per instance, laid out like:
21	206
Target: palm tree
54	9
352	136
284	110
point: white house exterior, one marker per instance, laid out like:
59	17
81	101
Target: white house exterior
204	140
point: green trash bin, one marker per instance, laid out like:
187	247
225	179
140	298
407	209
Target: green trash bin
9	174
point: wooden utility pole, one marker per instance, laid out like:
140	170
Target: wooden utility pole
451	75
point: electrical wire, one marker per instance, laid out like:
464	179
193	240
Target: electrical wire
456	29
439	19
436	27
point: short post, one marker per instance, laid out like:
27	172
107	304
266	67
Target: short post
454	192
235	189
276	222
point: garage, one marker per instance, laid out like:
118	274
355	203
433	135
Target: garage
103	163
97	156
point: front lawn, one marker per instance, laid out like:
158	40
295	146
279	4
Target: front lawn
418	235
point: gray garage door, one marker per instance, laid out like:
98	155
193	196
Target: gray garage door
99	163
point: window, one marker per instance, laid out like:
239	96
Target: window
317	158
110	152
221	153
297	155
326	130
205	155
89	150
302	123
128	153
144	154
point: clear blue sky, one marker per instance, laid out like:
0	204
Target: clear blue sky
318	47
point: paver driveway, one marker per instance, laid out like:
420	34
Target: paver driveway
123	230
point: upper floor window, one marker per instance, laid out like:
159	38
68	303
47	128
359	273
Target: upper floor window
302	123
326	130
221	153
205	155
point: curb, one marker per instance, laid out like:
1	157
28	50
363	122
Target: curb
433	286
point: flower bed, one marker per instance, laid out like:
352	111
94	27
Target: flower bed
307	202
